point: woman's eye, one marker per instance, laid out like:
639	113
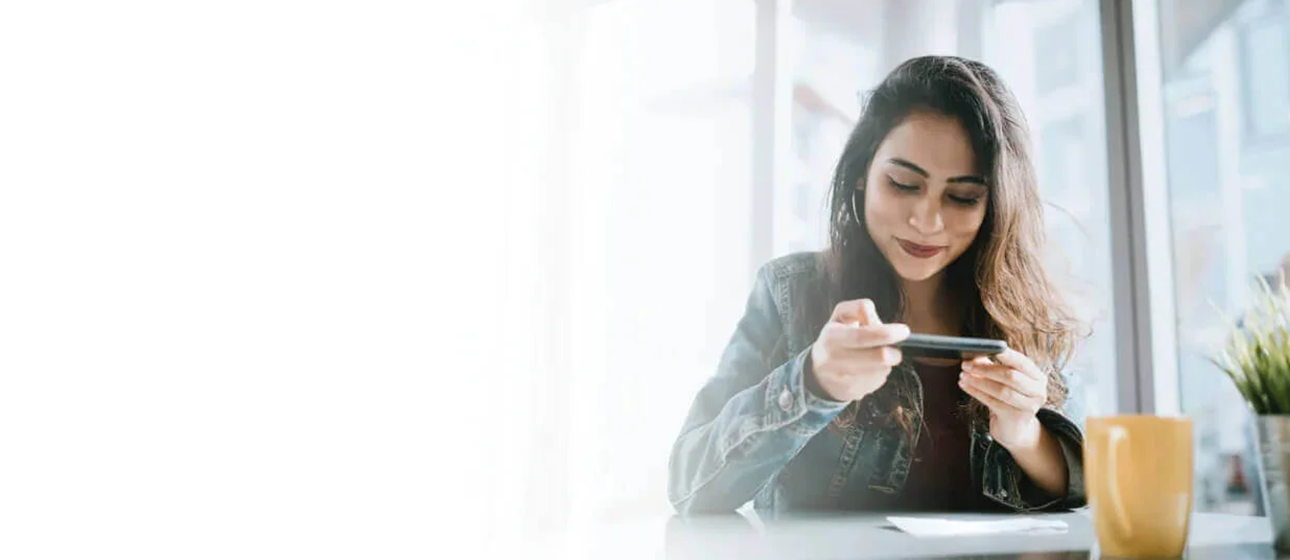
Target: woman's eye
965	200
901	186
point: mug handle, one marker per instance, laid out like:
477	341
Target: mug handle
1118	436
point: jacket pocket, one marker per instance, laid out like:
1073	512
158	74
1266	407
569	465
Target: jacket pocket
889	462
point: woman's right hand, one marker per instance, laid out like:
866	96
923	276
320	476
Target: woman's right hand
854	354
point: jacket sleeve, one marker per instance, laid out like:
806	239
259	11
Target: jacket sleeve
749	420
1009	485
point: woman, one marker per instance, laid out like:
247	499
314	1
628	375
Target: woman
936	227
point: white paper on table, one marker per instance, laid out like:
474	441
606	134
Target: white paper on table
935	527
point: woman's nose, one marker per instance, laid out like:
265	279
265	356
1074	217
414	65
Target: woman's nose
926	216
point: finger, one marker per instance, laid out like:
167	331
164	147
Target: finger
990	402
1018	361
1001	393
1010	377
868	336
842	350
856	311
870	313
882	356
863	360
980	362
1006	393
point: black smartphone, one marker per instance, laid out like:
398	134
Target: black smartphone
950	347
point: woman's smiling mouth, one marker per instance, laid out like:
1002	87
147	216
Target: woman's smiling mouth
920	251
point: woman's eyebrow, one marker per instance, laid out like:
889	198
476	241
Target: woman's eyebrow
974	179
909	165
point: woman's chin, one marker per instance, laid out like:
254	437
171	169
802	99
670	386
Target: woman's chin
917	272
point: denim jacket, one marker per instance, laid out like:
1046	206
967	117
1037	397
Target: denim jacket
755	433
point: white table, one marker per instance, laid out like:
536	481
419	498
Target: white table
859	536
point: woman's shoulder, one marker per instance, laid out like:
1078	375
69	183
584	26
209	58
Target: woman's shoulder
796	283
793	268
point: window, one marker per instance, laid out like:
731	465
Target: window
1226	111
668	210
1264	60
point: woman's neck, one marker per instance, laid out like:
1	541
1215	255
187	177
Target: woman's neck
930	309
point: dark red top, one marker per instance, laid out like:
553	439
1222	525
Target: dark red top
940	476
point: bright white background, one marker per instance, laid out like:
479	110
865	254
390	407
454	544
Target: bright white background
257	293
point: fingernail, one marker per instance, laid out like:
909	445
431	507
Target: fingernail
967	366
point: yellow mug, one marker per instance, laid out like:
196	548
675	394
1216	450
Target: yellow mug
1138	474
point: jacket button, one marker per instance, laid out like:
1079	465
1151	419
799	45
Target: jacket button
1003	493
786	400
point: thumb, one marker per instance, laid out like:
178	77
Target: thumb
860	311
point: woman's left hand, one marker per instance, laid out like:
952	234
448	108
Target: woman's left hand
1014	389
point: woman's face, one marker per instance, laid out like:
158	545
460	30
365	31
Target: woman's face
924	198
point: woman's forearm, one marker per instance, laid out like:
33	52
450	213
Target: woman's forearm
1041	458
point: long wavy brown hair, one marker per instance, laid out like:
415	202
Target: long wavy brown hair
1000	281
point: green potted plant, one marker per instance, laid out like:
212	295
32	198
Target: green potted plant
1257	359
